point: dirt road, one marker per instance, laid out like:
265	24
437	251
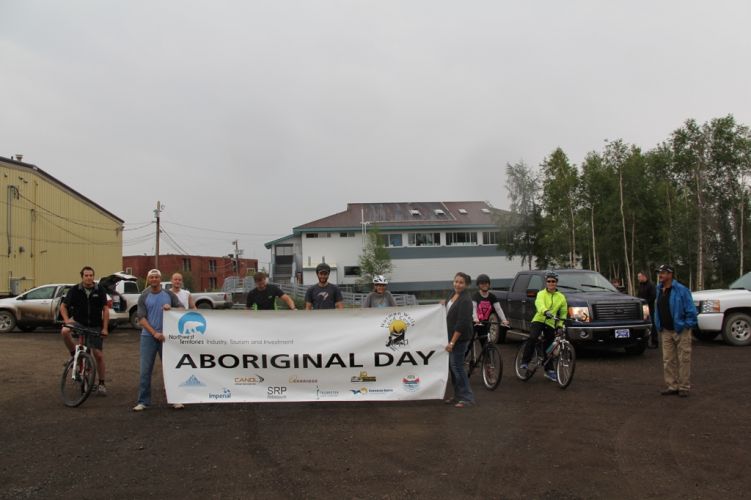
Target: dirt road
610	435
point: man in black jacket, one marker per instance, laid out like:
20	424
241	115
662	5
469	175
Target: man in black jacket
647	292
86	304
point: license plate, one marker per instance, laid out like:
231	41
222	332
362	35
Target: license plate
623	334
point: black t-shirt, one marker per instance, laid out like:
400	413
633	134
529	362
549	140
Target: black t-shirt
485	305
663	307
263	300
323	297
86	305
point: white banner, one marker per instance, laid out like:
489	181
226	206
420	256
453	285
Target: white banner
334	355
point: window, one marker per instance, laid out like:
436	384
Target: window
424	239
391	240
311	235
130	287
463	211
439	212
415	213
212	265
461	239
491	237
186	264
128	270
535	283
352	270
44	293
485	210
284	250
346	235
212	283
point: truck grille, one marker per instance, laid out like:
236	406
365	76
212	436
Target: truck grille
609	311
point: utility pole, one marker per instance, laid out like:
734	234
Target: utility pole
237	257
159	208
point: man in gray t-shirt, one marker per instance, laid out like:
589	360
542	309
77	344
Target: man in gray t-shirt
323	295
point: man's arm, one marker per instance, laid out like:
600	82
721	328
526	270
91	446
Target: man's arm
64	313
105	320
288	300
191	302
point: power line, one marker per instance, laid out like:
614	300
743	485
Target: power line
222	232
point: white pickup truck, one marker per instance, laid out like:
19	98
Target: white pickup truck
726	312
206	300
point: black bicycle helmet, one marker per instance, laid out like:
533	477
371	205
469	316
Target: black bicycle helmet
323	267
483	278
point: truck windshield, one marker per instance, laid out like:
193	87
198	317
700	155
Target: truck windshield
744	282
588	281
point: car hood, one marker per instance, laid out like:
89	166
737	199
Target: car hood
585	298
719	294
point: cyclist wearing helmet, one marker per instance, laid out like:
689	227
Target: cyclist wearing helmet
549	304
323	295
379	297
484	303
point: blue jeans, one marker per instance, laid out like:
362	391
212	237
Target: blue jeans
150	347
462	390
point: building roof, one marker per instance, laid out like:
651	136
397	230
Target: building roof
407	215
62	185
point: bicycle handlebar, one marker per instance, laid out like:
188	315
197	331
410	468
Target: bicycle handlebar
82	330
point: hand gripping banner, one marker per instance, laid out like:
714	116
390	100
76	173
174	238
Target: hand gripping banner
385	354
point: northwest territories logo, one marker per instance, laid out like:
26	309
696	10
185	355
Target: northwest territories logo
191	323
411	383
192	382
397	324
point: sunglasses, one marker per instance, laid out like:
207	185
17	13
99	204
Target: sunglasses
325	273
552	281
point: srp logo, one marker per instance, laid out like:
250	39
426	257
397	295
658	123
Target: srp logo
191	323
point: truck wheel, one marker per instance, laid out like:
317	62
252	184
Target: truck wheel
204	305
705	336
7	321
737	329
636	349
134	320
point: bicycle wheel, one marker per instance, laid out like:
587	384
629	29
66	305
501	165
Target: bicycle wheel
522	374
565	365
492	367
471	356
78	381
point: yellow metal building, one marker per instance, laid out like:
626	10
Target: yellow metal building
50	231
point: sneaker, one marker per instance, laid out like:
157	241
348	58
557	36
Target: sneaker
178	406
101	390
463	404
669	392
550	375
139	407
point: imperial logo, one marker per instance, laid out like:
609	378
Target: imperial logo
191	323
192	382
225	394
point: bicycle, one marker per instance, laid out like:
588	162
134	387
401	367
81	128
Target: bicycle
79	375
561	353
487	357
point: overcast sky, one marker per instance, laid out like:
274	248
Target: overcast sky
253	117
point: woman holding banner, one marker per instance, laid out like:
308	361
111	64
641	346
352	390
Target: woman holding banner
459	326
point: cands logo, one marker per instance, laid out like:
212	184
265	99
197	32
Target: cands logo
397	324
191	323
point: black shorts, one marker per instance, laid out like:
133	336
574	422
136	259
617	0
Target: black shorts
94	342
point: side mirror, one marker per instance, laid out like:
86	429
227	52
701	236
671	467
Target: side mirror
532	293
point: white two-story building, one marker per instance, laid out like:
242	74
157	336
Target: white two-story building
429	242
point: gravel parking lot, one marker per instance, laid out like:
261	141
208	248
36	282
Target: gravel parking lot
610	435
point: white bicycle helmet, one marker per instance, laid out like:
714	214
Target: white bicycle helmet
380	279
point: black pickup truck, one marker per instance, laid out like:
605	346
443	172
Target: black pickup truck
598	314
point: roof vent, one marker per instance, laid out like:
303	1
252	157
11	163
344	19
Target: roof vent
414	212
485	210
463	211
438	211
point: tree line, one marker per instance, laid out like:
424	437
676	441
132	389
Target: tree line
624	210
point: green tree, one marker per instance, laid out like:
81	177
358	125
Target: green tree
375	258
559	209
520	225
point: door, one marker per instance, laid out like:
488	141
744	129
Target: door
536	283
37	305
517	299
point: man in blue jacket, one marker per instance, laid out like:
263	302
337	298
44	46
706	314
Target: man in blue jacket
675	316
